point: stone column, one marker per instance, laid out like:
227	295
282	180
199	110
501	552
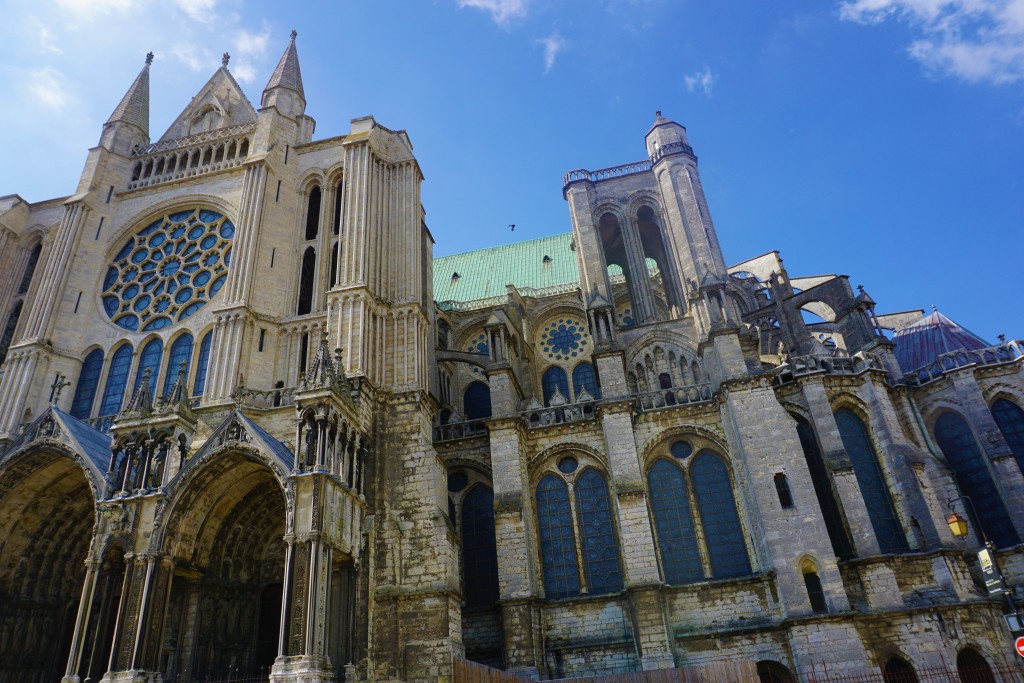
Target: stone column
241	276
92	566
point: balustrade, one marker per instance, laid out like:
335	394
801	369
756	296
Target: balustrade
191	156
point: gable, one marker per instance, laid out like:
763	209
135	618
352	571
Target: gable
218	104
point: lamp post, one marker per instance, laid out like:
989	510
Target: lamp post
995	582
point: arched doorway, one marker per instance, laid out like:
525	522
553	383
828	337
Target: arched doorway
225	537
769	671
899	670
46	524
973	668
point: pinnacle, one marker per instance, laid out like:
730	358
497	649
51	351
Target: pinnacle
287	74
134	106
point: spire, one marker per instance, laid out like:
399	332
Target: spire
134	106
287	74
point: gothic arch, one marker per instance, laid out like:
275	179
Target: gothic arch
538	463
312	178
1008	392
155	211
641	198
716	442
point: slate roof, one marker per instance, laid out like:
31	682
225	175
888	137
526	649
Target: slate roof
923	342
280	450
287	74
94	444
485	273
134	106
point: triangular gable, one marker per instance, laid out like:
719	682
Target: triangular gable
90	447
238	429
218	104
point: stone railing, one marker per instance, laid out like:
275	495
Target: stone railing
674	396
192	156
605	173
553	415
671	148
460	430
992	355
264	399
102	423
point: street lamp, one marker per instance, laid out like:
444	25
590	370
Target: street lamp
995	582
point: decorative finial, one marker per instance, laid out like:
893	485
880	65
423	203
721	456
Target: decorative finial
935	308
860	288
225	59
149	58
1002	338
658	113
295	34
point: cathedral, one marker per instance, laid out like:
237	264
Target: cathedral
252	430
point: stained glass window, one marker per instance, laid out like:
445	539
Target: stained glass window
181	350
313	213
8	334
476	402
673	523
598	540
479	548
1010	418
870	480
117	380
823	491
30	268
88	380
564	339
555	379
557	543
584	377
149	359
972	473
306	272
168	270
712	488
202	364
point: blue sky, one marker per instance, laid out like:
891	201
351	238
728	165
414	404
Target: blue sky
883	139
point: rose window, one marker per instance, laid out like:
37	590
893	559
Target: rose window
565	339
168	270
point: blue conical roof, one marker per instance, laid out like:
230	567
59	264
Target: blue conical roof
919	344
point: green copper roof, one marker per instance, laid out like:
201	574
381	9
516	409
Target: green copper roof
485	273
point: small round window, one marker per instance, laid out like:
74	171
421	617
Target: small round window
568	465
681	449
457	481
168	270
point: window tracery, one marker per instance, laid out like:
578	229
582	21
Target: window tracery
168	270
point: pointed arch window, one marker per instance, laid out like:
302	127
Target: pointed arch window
1010	419
972	474
585	377
181	352
313	213
117	380
30	268
554	379
577	532
871	482
714	531
821	479
306	272
479	547
8	334
334	264
476	401
202	363
973	668
149	359
899	670
88	381
339	193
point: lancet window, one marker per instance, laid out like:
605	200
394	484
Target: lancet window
471	507
1010	419
181	352
149	359
88	381
202	363
117	380
585	378
823	491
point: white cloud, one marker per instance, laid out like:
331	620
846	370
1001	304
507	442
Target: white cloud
195	58
248	43
553	44
702	80
45	37
87	9
502	11
975	40
47	88
198	10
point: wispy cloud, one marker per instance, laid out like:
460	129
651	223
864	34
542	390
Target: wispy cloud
502	11
975	40
249	48
553	44
197	10
46	88
87	9
702	80
45	37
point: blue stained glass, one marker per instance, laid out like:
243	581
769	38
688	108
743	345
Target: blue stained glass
149	359
199	386
142	302
117	380
476	401
681	449
599	543
584	377
479	345
870	480
202	278
479	548
211	260
227	257
181	350
557	543
673	523
1010	419
156	324
88	380
712	488
150	262
555	378
161	305
183	295
217	284
972	473
110	304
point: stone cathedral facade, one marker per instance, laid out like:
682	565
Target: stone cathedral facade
250	429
